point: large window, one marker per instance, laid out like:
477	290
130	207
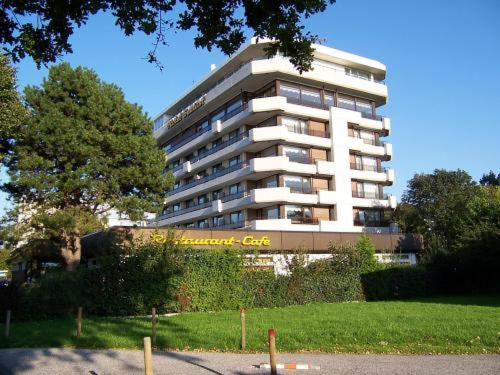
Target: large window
298	214
369	217
202	199
234	161
297	184
217	194
236	217
289	91
269	182
218	221
294	124
234	189
203	223
296	154
355	104
271	213
346	102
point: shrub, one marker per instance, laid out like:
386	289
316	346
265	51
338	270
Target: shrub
397	282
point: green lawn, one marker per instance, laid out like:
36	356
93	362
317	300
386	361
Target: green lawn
433	325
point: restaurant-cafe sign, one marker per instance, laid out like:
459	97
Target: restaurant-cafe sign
186	111
228	241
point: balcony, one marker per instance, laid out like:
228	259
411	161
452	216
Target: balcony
308	131
213	176
231	197
185	210
235	225
219	147
303	159
368	195
366	167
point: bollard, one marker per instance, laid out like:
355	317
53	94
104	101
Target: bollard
243	329
7	324
272	350
79	323
153	326
148	361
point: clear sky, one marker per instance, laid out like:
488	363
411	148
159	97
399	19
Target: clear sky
443	74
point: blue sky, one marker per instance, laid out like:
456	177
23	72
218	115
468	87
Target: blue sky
443	74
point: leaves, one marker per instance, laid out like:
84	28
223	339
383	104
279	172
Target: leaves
219	23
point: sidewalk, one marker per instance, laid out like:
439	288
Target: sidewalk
124	362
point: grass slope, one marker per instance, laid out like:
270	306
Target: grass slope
433	325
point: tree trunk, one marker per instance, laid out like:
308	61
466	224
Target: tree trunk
71	250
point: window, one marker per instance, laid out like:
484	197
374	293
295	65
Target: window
358	73
298	213
217	194
289	91
369	217
270	182
271	213
297	184
296	154
203	223
234	106
189	225
202	199
236	217
295	125
234	133
202	127
217	168
189	157
218	221
346	102
176	163
202	150
234	189
176	207
218	115
216	142
364	106
329	101
234	161
191	203
311	96
189	180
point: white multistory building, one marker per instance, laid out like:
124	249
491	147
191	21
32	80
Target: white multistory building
256	145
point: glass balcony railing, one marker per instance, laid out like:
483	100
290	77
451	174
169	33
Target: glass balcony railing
219	147
211	177
368	195
185	210
366	167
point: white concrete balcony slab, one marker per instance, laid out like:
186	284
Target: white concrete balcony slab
327	197
282	225
385	176
190	215
357	118
281	194
325	167
386	125
370	202
281	133
281	163
358	144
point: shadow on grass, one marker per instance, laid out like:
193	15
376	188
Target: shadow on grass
488	300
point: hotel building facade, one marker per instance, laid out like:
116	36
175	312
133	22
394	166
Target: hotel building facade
256	145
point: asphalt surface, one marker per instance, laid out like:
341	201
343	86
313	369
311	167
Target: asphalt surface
124	362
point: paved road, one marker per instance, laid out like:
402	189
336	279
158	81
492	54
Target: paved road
124	362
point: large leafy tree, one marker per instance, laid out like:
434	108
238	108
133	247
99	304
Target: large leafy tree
83	150
449	209
41	28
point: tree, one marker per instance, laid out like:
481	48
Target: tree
12	111
490	179
218	23
437	206
82	151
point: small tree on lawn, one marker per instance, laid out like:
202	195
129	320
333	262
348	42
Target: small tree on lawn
82	151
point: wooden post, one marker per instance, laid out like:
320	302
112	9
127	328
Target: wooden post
79	323
272	350
7	324
148	360
243	329
153	326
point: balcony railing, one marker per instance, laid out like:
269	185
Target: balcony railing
235	225
368	195
186	140
305	102
300	159
308	131
238	195
220	146
371	223
304	220
366	167
185	210
213	176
